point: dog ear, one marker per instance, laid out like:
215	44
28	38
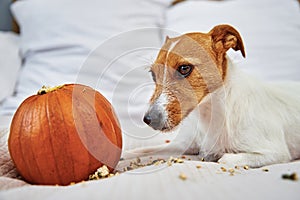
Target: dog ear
167	38
225	37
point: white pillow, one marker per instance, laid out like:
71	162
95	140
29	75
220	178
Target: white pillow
58	35
108	45
10	63
270	30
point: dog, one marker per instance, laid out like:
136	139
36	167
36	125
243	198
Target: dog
244	121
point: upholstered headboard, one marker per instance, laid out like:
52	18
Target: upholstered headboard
5	15
7	22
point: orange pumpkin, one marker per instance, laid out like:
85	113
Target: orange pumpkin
63	134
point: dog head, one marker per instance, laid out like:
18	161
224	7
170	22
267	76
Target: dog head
186	70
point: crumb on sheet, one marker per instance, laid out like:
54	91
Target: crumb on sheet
292	176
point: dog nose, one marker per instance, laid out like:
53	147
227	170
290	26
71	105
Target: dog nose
153	118
147	119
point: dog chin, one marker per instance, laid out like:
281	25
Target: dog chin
168	127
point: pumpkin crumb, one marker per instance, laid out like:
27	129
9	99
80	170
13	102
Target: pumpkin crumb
246	167
223	169
231	171
174	160
102	172
292	177
182	176
265	169
158	162
137	163
138	160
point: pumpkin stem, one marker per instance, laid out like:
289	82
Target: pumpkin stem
46	89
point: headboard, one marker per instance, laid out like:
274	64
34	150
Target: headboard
7	22
5	15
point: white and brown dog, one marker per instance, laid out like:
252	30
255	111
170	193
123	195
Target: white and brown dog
244	121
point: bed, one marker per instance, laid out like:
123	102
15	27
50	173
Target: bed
109	45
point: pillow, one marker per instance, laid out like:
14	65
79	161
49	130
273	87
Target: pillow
58	35
10	63
108	45
270	30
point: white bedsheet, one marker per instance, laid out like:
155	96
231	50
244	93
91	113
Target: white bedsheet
208	182
161	182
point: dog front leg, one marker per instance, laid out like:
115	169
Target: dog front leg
253	159
169	149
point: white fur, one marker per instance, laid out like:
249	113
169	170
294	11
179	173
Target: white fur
249	122
161	104
163	100
245	122
172	46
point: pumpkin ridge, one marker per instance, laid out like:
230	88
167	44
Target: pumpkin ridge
91	97
66	129
50	138
89	93
116	124
75	109
95	95
115	138
71	94
108	108
30	139
23	111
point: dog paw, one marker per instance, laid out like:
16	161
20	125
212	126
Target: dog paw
208	158
231	159
252	159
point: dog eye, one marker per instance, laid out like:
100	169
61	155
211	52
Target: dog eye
184	70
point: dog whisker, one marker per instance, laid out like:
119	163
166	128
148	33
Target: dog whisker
147	60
